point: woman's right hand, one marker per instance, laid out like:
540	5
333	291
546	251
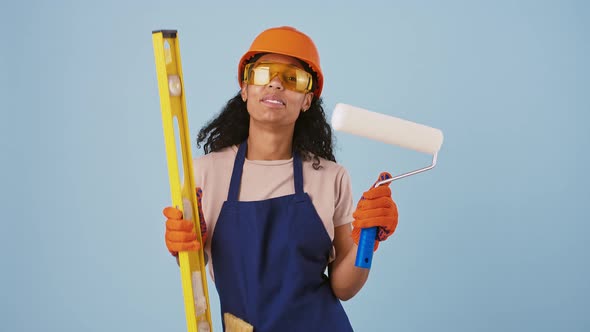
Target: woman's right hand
180	233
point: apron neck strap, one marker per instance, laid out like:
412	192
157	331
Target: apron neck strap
297	173
236	176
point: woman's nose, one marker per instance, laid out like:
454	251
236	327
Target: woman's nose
276	83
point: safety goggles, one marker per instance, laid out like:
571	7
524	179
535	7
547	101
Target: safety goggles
292	77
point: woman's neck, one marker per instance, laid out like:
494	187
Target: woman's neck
269	145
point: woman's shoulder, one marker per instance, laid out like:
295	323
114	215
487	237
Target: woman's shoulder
215	160
324	166
223	154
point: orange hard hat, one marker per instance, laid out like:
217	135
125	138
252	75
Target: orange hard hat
286	41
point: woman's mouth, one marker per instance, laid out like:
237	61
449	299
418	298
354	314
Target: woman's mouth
272	101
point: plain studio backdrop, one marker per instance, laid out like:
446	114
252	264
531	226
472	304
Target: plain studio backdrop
495	238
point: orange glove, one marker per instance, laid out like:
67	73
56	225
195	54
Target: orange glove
376	208
180	233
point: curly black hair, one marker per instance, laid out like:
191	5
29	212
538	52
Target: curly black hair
312	137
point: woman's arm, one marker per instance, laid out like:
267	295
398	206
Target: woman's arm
345	278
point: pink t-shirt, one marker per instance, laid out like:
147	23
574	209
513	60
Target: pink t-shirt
328	187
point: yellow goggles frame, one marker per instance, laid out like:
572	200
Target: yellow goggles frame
292	77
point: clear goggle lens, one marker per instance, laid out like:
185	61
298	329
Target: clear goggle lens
292	77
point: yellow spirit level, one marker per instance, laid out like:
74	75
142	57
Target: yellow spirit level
173	105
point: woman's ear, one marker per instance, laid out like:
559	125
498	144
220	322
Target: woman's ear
244	92
307	101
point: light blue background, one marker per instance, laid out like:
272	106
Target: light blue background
495	238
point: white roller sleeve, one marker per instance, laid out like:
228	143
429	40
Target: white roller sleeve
386	129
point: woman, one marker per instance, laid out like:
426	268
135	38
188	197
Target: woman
277	206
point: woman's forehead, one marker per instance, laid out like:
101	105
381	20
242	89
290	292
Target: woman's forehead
279	58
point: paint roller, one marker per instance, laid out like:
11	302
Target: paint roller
389	130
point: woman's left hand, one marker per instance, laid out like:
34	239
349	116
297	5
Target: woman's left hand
376	208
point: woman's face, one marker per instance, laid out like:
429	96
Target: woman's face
272	104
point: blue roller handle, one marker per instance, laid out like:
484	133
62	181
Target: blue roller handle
364	254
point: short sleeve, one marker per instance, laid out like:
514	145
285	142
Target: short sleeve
343	206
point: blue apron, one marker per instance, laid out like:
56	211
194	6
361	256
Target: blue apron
269	260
